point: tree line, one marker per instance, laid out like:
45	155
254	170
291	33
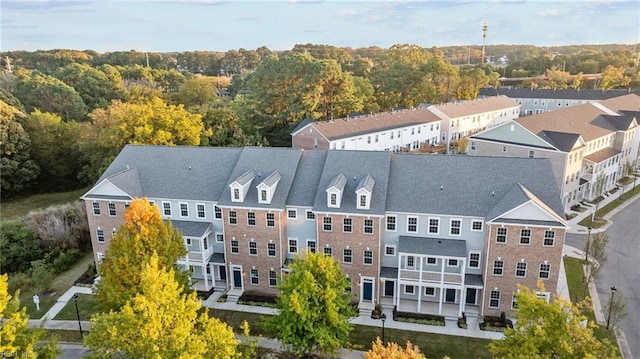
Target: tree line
66	114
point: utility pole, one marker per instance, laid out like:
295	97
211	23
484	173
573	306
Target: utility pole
485	27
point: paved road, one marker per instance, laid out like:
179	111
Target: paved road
622	268
73	351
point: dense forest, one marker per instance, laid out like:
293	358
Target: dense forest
65	114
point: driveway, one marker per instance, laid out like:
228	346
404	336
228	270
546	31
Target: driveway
622	269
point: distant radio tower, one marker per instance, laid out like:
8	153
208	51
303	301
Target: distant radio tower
485	27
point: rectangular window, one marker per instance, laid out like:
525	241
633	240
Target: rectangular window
409	289
251	218
476	225
498	267
273	278
391	223
494	299
474	259
434	225
205	242
100	235
200	210
334	199
112	209
184	209
531	154
545	270
473	146
347	255
328	251
525	236
293	246
233	217
255	280
412	224
549	238
253	248
363	200
455	227
188	240
327	225
311	246
218	212
411	262
347	226
390	250
368	226
429	291
271	249
452	263
501	235
521	270
311	216
96	208
271	220
219	238
368	257
263	195
166	208
236	194
235	246
292	213
431	260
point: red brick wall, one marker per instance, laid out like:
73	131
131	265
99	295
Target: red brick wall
104	221
305	139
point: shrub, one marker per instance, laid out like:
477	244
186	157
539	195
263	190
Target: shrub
64	226
419	318
18	247
65	260
41	275
20	281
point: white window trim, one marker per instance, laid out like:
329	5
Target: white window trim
180	209
417	223
481	225
198	210
255	221
479	258
395	223
493	267
451	227
530	237
214	212
93	208
275	250
389	246
506	235
526	269
407	292
364	257
453	259
289	245
426	261
256	247
170	209
306	215
544	236
222	235
548	271
188	240
294	210
429	225
364	226
115	210
430	295
98	237
498	299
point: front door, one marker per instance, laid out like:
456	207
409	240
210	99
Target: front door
450	296
389	287
223	273
367	290
471	296
237	278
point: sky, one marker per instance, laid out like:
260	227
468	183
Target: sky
219	25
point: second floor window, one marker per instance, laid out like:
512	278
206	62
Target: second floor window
368	257
235	247
251	218
326	224
271	220
184	210
347	225
501	235
112	209
233	217
253	248
96	208
391	223
412	224
200	210
271	249
368	226
347	255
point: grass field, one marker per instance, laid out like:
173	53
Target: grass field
18	207
86	307
587	222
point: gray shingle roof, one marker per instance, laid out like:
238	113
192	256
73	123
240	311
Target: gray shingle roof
569	94
338	182
562	141
191	228
264	161
245	178
366	183
388	272
433	246
512	133
305	184
473	279
128	181
354	165
273	178
471	185
178	172
217	258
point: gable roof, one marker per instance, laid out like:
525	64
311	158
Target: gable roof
563	141
366	183
305	183
382	121
624	122
272	179
474	107
513	133
568	94
517	196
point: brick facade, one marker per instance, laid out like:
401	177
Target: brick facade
105	222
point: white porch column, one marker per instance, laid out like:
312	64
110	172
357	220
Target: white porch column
205	275
419	296
463	297
441	285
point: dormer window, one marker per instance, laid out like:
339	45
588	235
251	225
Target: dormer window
334	191
267	188
240	186
364	191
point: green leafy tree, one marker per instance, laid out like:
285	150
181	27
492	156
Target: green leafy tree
18	247
142	234
337	92
596	250
16	339
93	85
41	275
17	169
226	127
199	91
314	306
160	321
550	330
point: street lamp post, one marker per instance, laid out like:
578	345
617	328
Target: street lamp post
75	300
613	292
586	254
586	261
383	317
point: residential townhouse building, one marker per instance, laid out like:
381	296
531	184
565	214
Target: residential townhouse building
463	118
417	232
588	145
536	101
406	130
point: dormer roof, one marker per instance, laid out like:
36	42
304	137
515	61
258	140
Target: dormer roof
366	183
272	179
246	178
338	183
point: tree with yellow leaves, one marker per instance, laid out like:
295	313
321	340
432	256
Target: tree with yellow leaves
393	351
160	322
550	330
16	340
142	234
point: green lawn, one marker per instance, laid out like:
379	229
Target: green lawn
433	345
59	286
608	208
86	307
71	336
18	207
